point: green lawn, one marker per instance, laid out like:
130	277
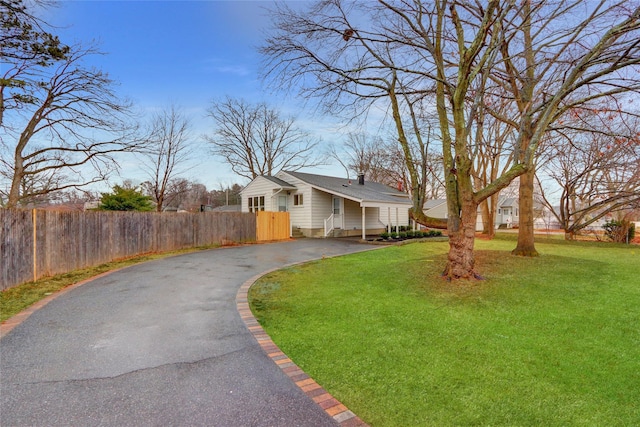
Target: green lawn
551	341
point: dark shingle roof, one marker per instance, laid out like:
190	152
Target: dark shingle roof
369	192
279	182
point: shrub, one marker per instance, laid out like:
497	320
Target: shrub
620	231
411	234
385	235
402	235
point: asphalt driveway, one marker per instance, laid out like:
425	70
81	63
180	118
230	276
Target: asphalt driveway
157	344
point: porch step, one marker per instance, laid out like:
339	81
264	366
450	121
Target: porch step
337	232
296	233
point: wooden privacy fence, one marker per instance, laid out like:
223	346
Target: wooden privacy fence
38	243
272	226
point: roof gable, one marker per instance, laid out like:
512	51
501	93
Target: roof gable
508	202
433	203
271	181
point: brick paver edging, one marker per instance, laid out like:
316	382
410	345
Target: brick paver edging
333	407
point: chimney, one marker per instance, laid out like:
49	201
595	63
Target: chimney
361	178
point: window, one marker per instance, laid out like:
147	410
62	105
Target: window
297	200
256	203
336	205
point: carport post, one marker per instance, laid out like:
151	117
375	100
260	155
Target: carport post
364	231
397	221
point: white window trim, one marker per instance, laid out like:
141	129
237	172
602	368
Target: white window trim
252	206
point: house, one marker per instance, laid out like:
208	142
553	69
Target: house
436	208
322	206
227	208
508	214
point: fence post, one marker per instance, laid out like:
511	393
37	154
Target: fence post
35	248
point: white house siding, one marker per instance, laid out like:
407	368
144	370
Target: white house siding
260	187
401	219
322	208
309	217
301	215
372	221
352	215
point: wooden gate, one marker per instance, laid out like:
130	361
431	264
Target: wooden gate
272	226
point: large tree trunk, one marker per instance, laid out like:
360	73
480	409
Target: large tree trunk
488	211
526	244
16	180
14	192
462	232
159	203
461	261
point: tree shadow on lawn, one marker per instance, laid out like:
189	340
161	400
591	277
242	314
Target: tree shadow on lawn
548	275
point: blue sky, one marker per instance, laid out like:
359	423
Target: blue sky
183	52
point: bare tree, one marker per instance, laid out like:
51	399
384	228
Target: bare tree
68	133
447	55
411	57
166	155
383	161
254	140
24	39
364	154
549	68
226	195
492	145
188	195
597	172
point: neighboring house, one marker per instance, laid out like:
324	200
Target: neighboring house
91	205
436	208
321	206
507	215
227	208
544	218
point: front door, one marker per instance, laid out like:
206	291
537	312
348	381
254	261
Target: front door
282	203
338	207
